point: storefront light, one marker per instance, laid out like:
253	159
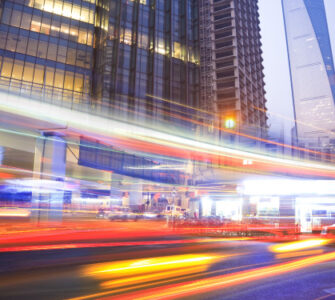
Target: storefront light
288	187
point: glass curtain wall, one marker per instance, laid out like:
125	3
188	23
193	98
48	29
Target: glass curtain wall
46	48
312	71
148	62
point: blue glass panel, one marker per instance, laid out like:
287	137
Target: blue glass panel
317	14
19	56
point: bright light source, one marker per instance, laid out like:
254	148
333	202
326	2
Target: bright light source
206	206
289	187
247	162
300	245
230	123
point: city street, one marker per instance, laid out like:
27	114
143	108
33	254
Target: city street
160	263
167	149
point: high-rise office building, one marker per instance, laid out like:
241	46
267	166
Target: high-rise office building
207	63
149	57
46	47
237	64
140	57
312	72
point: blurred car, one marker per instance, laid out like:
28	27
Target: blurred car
102	213
123	214
152	216
174	211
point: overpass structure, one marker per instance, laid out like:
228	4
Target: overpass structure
50	135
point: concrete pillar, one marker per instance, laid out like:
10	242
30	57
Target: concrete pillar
49	172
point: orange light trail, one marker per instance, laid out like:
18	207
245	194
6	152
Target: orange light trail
299	245
111	244
139	267
219	282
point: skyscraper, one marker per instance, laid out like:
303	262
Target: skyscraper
312	72
139	57
46	48
237	70
148	58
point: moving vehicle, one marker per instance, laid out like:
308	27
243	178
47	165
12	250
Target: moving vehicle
123	214
174	211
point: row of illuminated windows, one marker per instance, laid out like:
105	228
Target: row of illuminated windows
49	76
144	2
44	25
43	49
178	50
31	2
65	9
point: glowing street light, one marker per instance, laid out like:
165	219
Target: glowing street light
230	123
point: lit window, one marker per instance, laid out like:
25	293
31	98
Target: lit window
7	67
49	76
144	2
160	46
127	36
59	78
68	82
78	83
65	9
45	28
89	38
39	74
28	72
84	16
176	50
35	26
17	69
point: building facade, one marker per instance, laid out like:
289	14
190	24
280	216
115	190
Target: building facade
148	59
138	57
312	72
238	72
46	48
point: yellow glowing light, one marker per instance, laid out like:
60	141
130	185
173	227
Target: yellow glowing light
154	276
65	9
287	247
139	267
14	212
230	123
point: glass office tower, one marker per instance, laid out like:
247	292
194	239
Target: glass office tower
147	63
46	48
312	72
139	57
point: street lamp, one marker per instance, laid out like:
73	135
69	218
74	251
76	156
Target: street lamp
228	122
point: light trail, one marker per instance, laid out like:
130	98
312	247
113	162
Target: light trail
153	141
154	283
111	244
196	287
299	245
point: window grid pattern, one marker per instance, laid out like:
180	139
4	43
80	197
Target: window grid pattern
47	52
152	53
